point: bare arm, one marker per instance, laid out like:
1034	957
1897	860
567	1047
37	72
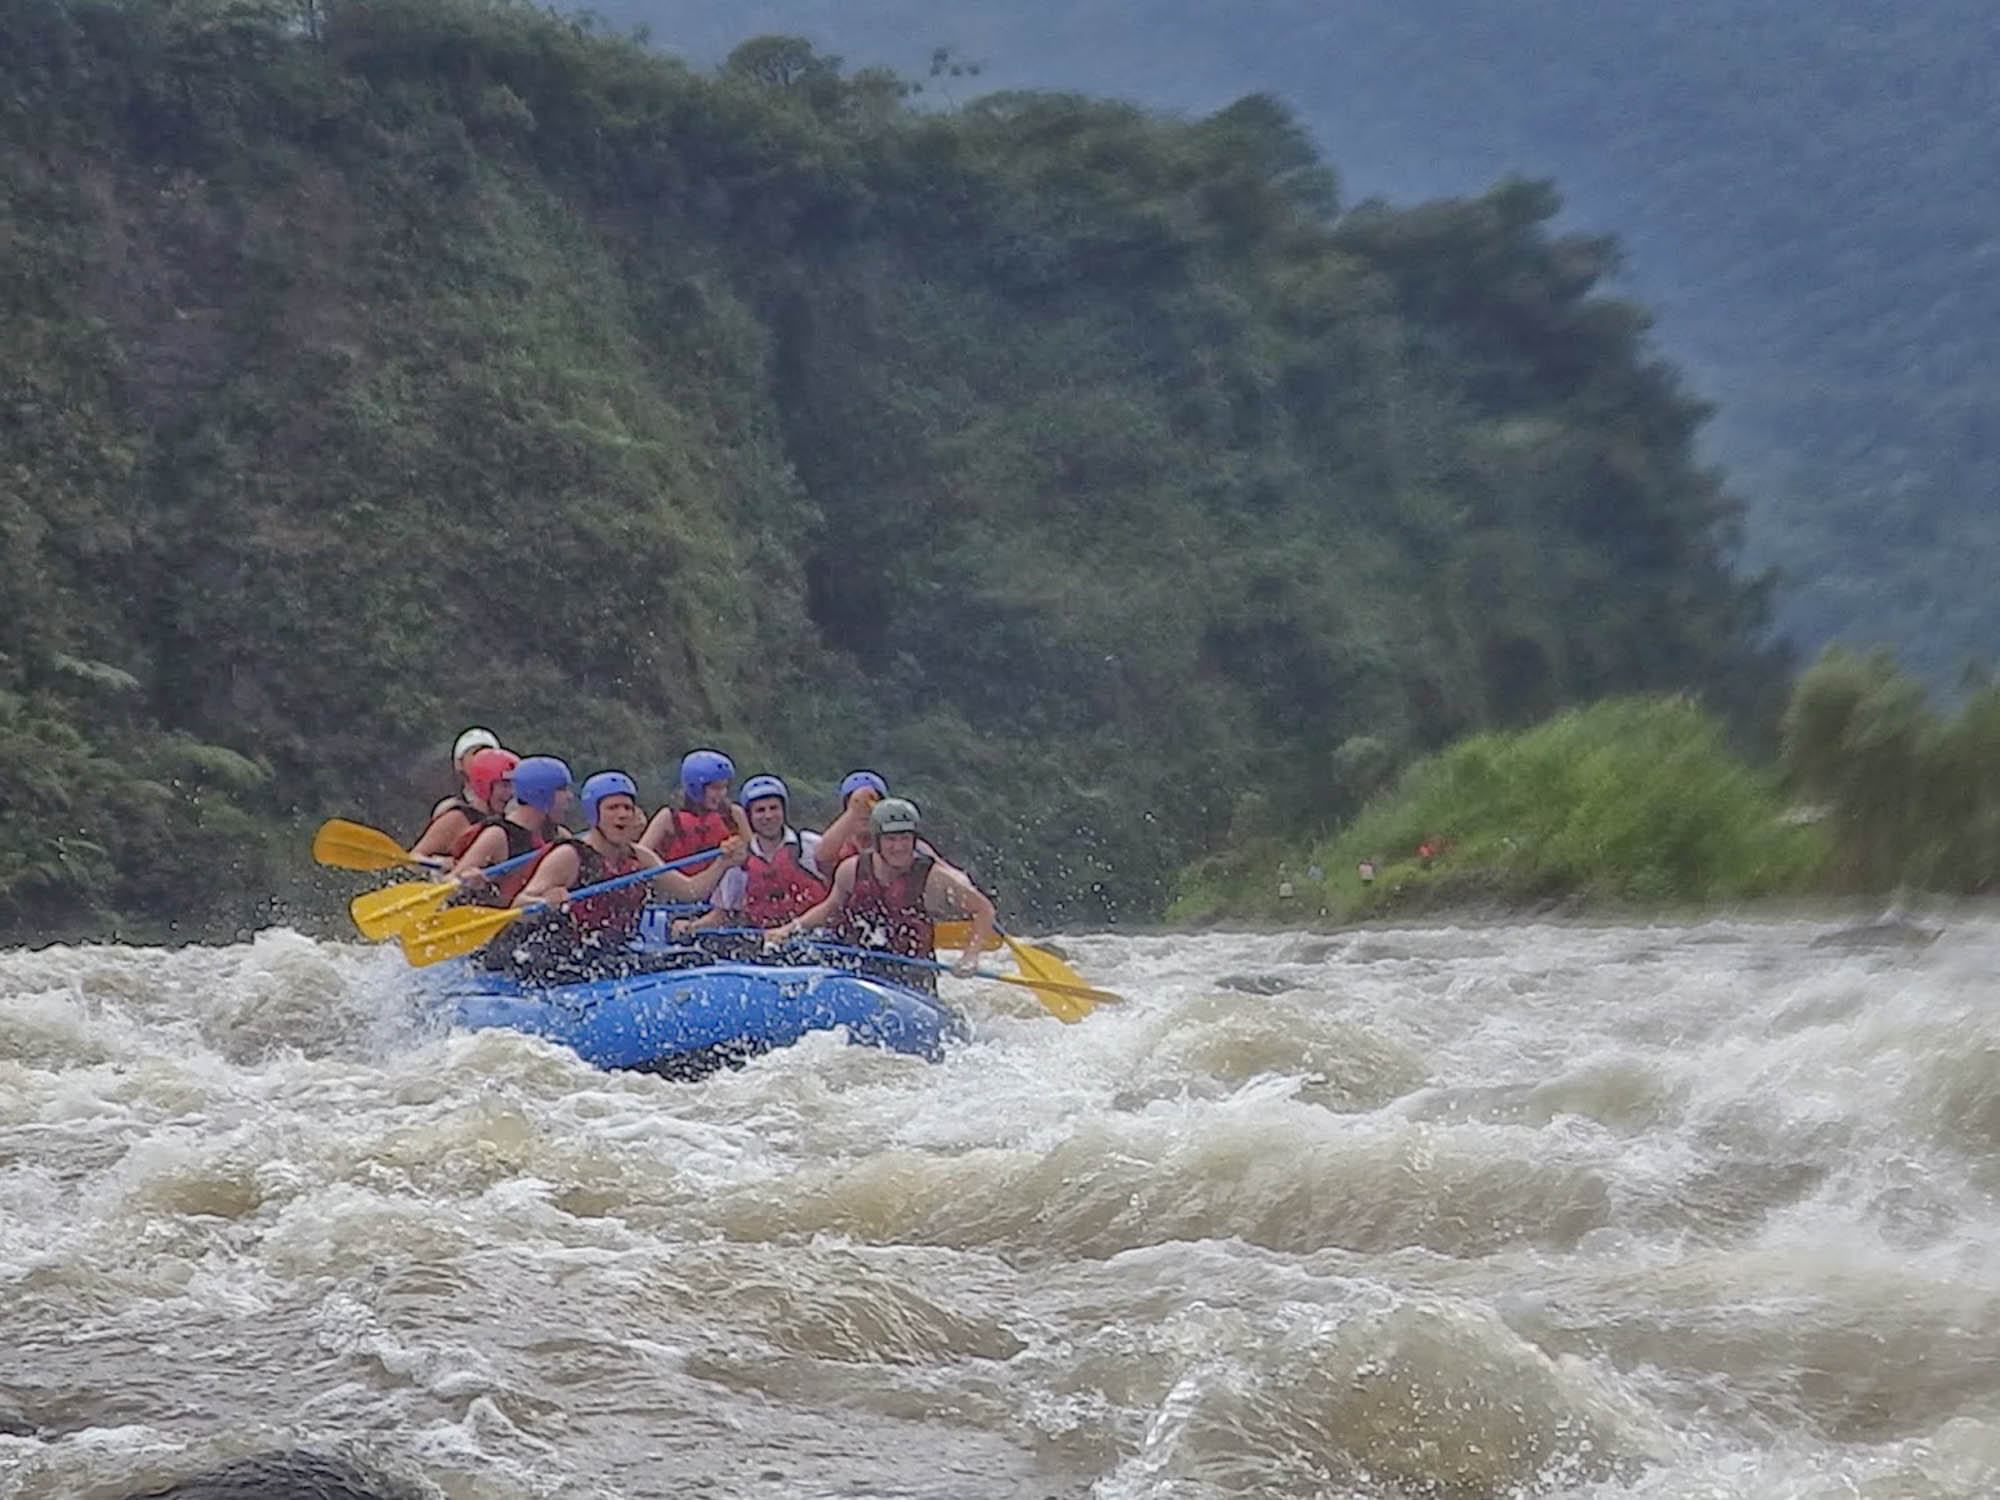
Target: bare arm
848	827
685	887
552	877
658	831
443	830
948	893
488	849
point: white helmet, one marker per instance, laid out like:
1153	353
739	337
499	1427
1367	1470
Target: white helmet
471	740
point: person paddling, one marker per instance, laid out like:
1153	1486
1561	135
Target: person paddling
888	897
592	937
847	835
705	816
465	807
781	877
532	820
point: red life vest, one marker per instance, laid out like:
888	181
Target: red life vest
892	915
693	832
519	841
779	888
615	913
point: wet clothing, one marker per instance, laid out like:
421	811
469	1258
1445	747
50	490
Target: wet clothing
585	939
615	914
501	892
693	832
545	948
890	914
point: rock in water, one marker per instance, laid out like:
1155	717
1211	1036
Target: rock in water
1892	930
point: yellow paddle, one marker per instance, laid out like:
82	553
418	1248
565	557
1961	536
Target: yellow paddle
384	913
1066	1002
1062	989
1068	998
451	934
351	846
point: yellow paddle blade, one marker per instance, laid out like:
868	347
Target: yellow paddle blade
951	934
384	913
351	846
1066	1007
450	934
1060	988
1042	964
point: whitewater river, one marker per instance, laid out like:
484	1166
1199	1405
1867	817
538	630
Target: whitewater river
1554	1210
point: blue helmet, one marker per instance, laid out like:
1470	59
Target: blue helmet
856	780
764	786
539	780
700	767
605	784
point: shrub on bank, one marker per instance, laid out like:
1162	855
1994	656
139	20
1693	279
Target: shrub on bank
1627	802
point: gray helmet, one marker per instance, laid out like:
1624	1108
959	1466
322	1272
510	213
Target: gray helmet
893	815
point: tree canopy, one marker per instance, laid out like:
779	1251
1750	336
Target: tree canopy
384	366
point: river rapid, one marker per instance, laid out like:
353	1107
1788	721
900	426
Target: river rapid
1533	1210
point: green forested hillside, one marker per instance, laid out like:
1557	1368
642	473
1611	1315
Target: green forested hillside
1799	187
380	367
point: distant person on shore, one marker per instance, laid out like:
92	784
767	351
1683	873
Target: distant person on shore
532	820
458	812
592	937
705	816
889	897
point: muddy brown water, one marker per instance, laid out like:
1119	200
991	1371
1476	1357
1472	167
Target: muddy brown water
1508	1211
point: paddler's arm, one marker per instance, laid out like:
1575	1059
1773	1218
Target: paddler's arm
831	907
551	881
681	886
725	905
851	822
488	849
444	829
949	893
659	830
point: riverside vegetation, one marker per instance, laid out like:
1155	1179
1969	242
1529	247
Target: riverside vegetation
1643	803
380	367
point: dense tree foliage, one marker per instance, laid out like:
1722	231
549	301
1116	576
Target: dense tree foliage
380	366
1913	794
1626	802
1642	801
1798	186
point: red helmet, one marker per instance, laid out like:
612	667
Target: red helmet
487	769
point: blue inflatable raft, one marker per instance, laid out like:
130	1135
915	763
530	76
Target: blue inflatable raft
687	1023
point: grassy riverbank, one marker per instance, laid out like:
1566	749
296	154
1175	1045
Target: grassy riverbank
1630	802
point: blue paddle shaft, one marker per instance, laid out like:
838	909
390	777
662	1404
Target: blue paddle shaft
632	879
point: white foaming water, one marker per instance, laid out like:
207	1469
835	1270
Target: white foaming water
1460	1212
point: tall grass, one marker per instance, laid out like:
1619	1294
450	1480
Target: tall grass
1629	802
